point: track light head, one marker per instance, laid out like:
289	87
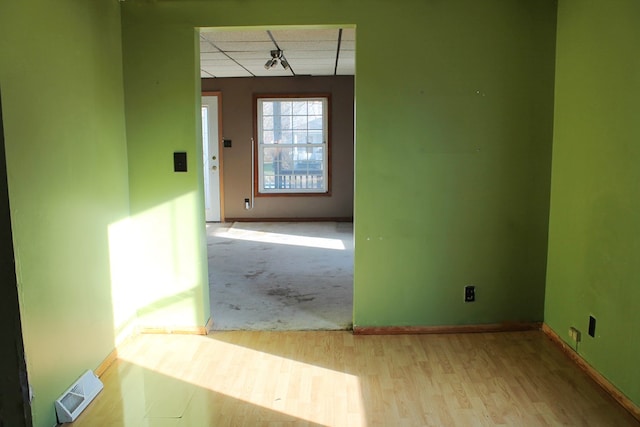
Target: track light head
276	56
271	63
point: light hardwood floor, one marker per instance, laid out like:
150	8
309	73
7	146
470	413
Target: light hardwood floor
253	378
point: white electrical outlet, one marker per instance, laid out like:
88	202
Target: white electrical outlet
574	334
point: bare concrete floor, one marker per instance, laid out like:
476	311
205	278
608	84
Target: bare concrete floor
281	276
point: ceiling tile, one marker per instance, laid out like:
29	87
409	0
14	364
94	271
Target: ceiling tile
348	34
298	54
348	45
303	35
346	66
229	70
314	61
315	70
214	64
207	47
240	46
346	62
308	45
250	55
345	71
237	35
205	56
309	51
225	73
250	63
272	72
221	60
348	54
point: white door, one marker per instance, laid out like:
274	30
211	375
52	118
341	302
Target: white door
210	139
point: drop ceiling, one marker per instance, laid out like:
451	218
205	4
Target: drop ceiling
243	53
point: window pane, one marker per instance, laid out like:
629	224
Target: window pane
300	108
317	153
285	122
267	137
315	122
293	145
286	137
299	122
268	173
315	137
308	161
300	153
267	168
285	108
299	137
315	166
267	107
267	122
315	108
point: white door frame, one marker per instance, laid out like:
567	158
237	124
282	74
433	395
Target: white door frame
215	146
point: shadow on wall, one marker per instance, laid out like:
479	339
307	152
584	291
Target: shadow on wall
15	409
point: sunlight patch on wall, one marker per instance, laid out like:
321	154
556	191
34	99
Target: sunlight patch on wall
156	269
124	296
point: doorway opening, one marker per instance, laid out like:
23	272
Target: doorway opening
279	261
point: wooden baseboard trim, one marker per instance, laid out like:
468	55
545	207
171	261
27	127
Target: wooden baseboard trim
113	356
313	219
195	330
596	376
106	363
209	326
453	329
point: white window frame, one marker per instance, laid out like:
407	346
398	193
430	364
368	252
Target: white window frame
292	181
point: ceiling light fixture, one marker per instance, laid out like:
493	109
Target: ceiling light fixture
276	56
270	63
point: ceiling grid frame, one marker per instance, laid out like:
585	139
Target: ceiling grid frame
242	52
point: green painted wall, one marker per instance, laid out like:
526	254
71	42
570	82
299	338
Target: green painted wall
452	161
162	84
453	145
594	223
61	79
452	164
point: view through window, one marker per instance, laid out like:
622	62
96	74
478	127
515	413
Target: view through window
293	144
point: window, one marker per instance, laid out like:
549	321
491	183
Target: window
292	145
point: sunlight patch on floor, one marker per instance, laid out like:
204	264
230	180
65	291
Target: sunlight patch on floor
303	391
238	233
